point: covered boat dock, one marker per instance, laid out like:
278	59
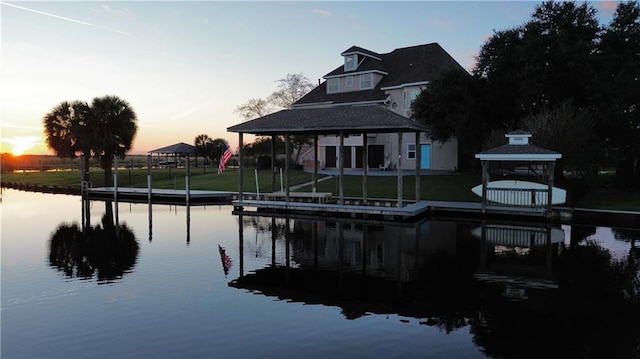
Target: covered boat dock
340	121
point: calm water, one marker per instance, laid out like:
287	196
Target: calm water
204	282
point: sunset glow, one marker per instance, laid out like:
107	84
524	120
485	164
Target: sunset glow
20	145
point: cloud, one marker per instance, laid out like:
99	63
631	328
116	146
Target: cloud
322	12
63	18
189	111
110	10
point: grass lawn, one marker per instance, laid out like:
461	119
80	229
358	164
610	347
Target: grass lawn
454	187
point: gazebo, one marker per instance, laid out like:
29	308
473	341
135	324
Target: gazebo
340	121
518	193
181	149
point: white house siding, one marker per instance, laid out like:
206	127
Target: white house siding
443	156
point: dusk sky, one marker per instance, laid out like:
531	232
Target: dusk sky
185	66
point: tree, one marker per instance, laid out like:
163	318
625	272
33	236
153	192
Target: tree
522	76
253	108
450	107
202	144
570	130
67	131
290	89
113	129
105	128
619	94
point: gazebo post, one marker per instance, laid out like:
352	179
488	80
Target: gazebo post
315	163
365	166
240	172
418	159
550	174
485	181
286	166
341	166
186	181
273	162
149	179
399	169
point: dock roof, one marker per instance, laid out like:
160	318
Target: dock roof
330	120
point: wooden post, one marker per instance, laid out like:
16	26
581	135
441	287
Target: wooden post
240	172
186	181
418	159
286	166
315	163
399	169
365	166
149	179
274	138
341	165
551	172
485	181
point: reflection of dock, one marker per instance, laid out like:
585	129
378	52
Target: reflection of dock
129	194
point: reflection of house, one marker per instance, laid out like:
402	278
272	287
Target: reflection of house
392	80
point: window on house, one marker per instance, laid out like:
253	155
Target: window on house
409	97
411	151
366	81
350	62
333	85
349	81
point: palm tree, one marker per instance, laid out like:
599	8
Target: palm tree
203	146
113	129
67	131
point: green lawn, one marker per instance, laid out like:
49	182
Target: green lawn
454	187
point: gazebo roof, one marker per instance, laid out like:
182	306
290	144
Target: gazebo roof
331	120
518	149
178	149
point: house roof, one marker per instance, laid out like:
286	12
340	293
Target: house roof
179	148
331	120
422	63
357	49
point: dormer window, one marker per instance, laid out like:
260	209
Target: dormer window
350	62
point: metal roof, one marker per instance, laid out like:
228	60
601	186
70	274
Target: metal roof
526	152
179	148
330	120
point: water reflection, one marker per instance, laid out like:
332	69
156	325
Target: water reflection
522	291
106	251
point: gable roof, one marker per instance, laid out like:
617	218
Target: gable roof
178	148
422	63
360	50
331	120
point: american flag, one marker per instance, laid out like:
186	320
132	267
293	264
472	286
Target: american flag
226	155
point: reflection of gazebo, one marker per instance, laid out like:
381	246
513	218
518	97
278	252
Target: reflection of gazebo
520	193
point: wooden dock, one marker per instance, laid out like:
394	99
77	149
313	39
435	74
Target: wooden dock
171	196
329	209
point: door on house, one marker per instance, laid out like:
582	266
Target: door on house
358	156
425	156
346	152
330	154
376	156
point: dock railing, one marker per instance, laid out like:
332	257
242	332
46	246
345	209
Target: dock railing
520	197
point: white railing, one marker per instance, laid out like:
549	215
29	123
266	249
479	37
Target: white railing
522	197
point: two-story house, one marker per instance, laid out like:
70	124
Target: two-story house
392	80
